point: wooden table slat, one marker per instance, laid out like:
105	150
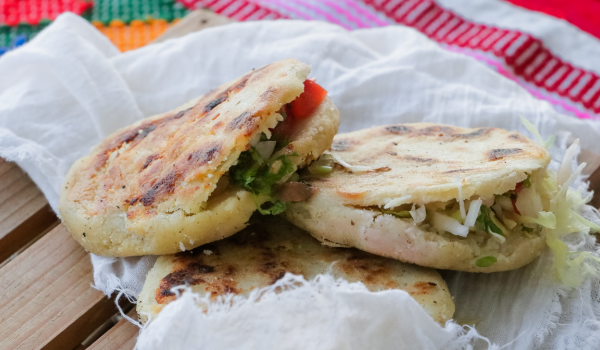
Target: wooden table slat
193	22
24	211
47	301
121	336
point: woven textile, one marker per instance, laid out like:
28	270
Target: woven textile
514	53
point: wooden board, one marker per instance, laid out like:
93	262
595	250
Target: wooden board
121	337
193	22
24	211
47	301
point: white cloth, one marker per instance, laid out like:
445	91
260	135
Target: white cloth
69	88
326	309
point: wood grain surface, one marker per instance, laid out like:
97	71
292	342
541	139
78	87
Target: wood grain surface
47	301
120	337
193	22
24	211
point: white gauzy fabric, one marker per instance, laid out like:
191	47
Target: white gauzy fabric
68	88
329	311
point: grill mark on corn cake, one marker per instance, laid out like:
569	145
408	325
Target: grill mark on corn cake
176	157
260	255
436	130
423	160
496	154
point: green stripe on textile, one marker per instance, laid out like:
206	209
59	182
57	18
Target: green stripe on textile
105	11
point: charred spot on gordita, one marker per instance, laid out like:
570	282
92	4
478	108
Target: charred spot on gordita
496	154
149	160
243	119
214	103
439	130
225	94
186	276
181	113
163	186
473	134
517	137
204	155
399	129
421	160
457	171
343	145
423	287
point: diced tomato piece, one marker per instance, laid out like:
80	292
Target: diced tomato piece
519	187
309	100
513	199
513	196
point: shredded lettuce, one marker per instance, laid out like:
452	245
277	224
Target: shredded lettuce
259	176
544	218
561	218
485	223
532	129
404	214
565	167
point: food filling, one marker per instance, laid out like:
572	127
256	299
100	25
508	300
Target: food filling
523	210
268	173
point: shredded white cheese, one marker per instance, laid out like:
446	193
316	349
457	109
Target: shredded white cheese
445	223
419	214
355	168
182	247
392	203
473	212
207	252
461	201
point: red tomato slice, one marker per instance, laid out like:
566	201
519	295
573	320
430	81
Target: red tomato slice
308	101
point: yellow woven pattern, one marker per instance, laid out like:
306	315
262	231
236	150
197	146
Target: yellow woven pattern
136	34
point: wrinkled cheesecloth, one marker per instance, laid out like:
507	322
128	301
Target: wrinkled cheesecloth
68	88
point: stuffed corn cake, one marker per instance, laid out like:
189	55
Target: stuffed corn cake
262	253
433	195
196	174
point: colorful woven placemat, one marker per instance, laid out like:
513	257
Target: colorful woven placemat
519	56
129	24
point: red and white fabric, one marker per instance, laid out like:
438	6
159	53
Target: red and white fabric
551	58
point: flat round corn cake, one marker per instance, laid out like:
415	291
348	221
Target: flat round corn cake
399	195
162	185
262	253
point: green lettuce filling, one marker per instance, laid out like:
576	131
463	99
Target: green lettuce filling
259	176
485	222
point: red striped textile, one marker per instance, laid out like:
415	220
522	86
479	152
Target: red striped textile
527	60
239	10
526	55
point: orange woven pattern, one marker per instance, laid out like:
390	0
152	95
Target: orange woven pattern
135	35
